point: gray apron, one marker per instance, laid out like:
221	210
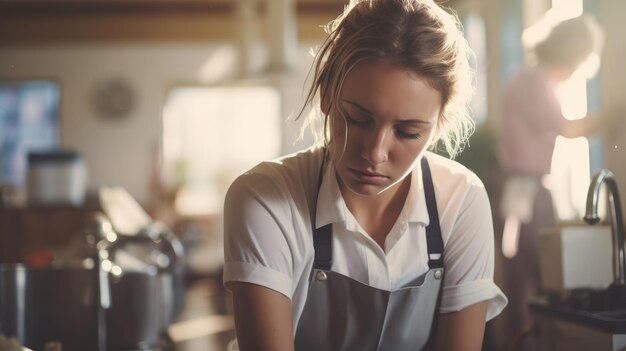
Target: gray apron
344	314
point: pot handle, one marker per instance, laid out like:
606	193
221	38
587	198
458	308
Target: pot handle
157	231
99	227
103	276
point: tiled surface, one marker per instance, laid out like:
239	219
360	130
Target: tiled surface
205	323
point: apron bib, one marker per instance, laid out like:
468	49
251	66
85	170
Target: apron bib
344	314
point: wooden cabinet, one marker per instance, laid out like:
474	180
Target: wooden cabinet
26	230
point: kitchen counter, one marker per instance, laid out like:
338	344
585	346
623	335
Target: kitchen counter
561	326
613	322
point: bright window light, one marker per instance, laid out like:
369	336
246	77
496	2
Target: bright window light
213	134
568	8
570	161
573	96
475	33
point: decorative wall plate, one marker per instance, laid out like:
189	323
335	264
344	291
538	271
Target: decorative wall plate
113	98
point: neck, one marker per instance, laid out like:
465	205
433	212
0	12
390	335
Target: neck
377	214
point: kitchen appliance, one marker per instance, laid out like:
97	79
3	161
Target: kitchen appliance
148	282
104	292
56	177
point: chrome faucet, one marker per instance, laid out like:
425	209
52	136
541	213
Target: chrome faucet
617	224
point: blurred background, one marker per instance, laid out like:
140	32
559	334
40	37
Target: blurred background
171	99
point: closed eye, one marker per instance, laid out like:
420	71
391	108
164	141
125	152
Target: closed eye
407	135
356	115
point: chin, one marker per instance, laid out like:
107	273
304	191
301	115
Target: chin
367	189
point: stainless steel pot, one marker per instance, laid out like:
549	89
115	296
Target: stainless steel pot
92	306
38	305
94	309
141	310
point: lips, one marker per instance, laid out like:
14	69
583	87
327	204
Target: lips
369	174
368	177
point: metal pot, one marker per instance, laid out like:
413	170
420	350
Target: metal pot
38	305
89	299
162	253
141	311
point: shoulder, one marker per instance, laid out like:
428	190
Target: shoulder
450	173
458	190
282	177
462	201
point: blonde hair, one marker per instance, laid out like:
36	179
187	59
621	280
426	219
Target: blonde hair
416	35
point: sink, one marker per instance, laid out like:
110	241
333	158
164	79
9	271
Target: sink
593	300
584	318
619	315
559	327
612	322
598	309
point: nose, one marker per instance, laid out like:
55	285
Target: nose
375	148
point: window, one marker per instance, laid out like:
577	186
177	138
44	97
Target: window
213	134
28	122
570	161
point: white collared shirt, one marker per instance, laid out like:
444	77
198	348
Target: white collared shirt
268	233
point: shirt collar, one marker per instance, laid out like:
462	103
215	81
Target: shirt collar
417	212
331	207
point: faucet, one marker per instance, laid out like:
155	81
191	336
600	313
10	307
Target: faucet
617	224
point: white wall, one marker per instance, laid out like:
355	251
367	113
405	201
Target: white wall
124	152
614	87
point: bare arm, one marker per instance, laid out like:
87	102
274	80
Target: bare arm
462	330
590	125
263	318
602	122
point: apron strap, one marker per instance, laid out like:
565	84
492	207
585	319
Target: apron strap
322	237
323	245
435	244
433	230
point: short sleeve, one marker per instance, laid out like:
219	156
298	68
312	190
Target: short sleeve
256	246
469	257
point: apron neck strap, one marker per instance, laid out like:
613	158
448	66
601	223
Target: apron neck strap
322	237
433	231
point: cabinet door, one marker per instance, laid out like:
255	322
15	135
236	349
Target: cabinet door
9	233
27	230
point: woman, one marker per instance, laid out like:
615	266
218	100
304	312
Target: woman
531	121
370	242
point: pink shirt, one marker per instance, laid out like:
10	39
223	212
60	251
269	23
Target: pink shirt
530	124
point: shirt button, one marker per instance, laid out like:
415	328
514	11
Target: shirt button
321	276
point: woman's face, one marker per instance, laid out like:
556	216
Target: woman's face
391	118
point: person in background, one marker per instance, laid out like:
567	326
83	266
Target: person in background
531	121
368	241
